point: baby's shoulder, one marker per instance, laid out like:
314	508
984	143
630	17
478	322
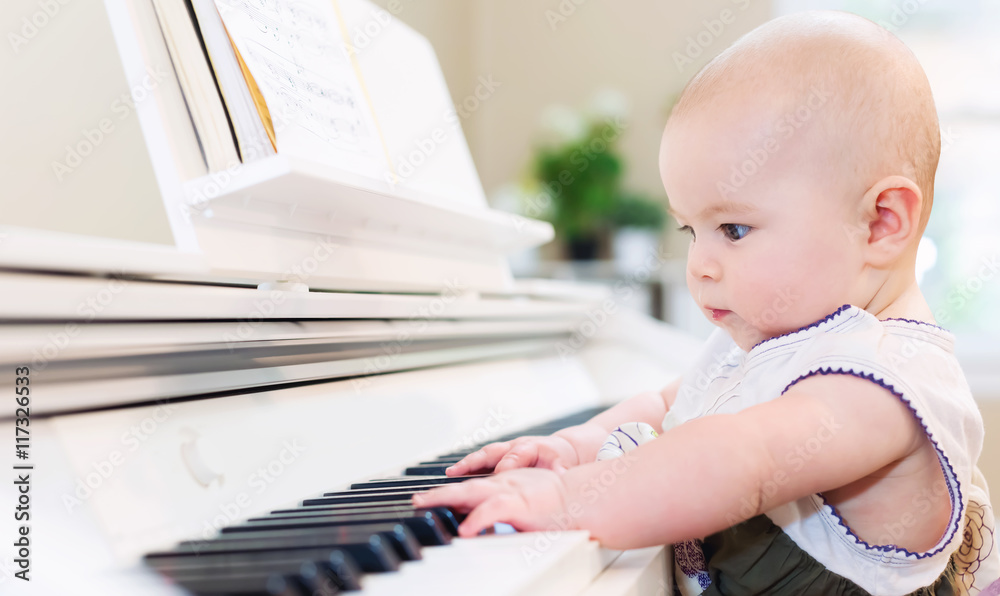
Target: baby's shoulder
893	345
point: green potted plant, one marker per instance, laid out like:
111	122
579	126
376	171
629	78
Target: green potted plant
581	172
583	180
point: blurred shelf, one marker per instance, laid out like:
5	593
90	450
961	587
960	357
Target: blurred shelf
658	289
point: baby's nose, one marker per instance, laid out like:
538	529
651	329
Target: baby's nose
703	266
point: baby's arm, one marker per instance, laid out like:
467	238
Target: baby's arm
570	446
706	474
649	407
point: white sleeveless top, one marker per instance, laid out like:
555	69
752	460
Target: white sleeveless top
913	360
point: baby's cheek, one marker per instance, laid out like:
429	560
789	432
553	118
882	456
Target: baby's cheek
804	291
771	295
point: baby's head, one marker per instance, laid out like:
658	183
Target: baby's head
802	159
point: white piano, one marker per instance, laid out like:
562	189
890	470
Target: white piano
197	356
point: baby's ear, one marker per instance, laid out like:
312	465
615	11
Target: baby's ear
892	210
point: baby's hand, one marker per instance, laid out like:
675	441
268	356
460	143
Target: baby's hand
552	452
526	499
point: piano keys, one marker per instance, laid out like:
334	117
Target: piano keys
371	528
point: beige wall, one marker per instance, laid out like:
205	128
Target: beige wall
626	45
69	126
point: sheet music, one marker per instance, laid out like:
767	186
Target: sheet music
296	52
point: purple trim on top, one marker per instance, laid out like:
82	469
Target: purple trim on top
918	323
833	327
809	326
957	518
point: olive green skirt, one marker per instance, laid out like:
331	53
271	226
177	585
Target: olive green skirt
756	557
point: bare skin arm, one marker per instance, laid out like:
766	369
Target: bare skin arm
649	407
656	493
571	446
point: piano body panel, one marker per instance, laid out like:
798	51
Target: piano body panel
150	476
628	352
64	299
63	396
118	341
70	551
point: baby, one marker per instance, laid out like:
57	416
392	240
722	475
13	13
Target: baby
825	442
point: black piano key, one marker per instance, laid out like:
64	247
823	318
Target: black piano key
428	529
329	539
317	582
336	571
363	497
336	562
331	506
412	482
419	484
310	579
426	470
381	491
343	568
448	517
359	498
372	552
168	560
250	585
324	520
402	508
398	536
454	459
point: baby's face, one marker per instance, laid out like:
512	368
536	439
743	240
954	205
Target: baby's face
771	243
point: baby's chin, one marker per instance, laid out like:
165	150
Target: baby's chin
747	345
744	335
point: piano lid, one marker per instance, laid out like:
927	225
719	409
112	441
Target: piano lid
104	174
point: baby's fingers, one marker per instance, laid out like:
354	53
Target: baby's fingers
551	459
463	496
505	507
524	455
483	459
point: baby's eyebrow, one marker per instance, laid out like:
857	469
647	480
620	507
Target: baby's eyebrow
725	207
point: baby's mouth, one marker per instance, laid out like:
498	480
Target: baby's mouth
718	314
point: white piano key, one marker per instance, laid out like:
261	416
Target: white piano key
638	572
508	565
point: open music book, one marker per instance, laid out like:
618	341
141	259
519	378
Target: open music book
274	76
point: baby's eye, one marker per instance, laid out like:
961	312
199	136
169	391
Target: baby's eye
686	229
735	231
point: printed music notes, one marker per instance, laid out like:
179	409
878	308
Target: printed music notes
297	53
